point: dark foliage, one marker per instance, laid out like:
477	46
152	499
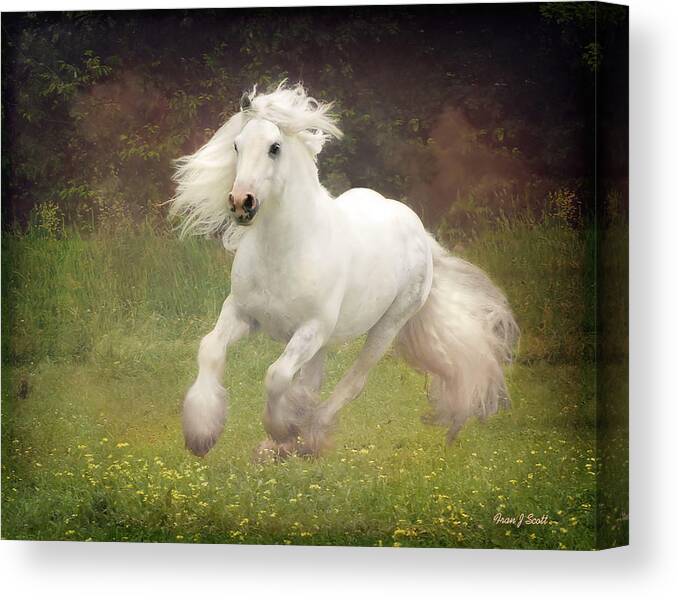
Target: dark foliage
456	109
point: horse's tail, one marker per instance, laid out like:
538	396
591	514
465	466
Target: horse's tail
462	336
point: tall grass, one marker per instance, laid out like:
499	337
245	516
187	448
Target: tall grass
545	269
60	296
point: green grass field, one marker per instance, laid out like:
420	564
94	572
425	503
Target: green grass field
99	337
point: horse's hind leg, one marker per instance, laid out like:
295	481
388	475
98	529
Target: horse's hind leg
204	410
379	339
312	374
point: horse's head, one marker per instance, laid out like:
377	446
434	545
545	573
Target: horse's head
258	149
249	159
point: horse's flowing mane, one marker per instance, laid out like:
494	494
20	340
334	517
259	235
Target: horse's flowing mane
296	113
205	178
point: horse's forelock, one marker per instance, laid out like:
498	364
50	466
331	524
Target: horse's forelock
294	111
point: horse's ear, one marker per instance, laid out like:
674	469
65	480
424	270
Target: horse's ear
245	102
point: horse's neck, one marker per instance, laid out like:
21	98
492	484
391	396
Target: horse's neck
298	218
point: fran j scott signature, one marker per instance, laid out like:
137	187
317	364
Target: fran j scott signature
521	519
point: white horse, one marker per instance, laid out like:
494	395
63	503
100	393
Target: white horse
311	271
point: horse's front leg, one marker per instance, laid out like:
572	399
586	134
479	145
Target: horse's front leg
205	406
282	416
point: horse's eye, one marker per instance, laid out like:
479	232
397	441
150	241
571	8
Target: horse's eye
274	150
235	147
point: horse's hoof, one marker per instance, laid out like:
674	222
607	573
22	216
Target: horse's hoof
271	451
200	445
265	452
203	417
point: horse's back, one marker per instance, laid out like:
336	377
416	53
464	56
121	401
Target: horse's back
371	206
387	225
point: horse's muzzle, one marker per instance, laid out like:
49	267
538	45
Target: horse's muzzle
244	208
246	220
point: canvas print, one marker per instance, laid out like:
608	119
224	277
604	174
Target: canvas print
320	276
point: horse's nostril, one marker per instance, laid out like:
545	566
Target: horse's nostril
248	205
